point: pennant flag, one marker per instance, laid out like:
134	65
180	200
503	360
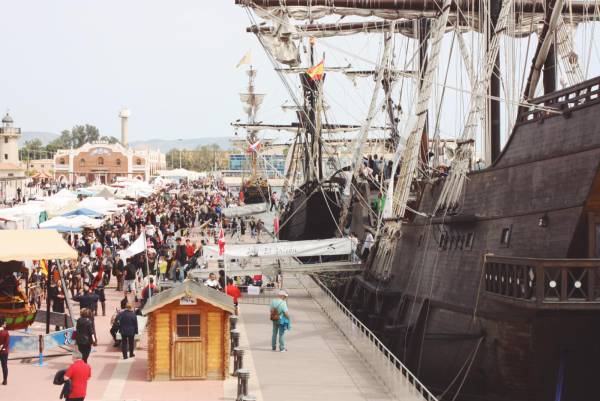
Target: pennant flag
221	242
316	73
44	267
247	59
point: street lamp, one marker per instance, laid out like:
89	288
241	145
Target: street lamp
180	140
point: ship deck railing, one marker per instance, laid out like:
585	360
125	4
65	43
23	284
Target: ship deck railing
394	375
544	283
562	102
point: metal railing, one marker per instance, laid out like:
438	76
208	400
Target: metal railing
396	377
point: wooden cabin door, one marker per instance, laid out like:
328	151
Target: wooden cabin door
188	348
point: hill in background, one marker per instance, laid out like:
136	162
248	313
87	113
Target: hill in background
163	144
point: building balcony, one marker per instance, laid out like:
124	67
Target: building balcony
544	283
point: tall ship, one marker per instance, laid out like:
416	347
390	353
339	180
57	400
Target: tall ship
255	188
484	277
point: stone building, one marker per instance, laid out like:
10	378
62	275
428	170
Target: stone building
102	163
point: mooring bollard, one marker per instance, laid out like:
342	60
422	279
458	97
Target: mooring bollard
238	360
235	339
233	319
242	389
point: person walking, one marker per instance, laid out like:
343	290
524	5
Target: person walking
280	319
85	334
4	348
128	327
78	373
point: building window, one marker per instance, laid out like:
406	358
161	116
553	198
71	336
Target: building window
118	162
61	161
5	139
82	163
188	325
138	162
101	161
6	156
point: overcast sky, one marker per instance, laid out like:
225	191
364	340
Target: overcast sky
68	62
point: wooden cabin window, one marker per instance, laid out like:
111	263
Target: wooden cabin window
469	241
188	325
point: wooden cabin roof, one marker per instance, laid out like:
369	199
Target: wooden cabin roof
193	289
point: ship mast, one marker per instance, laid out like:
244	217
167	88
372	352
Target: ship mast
252	102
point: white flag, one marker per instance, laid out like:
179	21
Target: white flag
138	246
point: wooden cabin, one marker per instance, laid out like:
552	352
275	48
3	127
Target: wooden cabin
188	334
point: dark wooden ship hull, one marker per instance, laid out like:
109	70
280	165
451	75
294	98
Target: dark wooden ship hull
482	302
313	212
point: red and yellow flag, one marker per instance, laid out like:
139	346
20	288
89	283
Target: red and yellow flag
316	73
44	267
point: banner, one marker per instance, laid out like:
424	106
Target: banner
321	247
30	344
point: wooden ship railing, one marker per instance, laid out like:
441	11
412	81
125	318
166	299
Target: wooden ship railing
562	102
544	283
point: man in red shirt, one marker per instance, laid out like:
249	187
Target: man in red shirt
233	292
4	342
79	373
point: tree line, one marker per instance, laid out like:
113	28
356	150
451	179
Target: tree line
202	158
77	136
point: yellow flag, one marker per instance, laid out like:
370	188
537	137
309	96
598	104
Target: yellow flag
247	59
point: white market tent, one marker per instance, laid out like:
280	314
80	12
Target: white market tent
180	173
23	245
72	222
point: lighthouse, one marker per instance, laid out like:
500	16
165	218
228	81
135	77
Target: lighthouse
9	139
124	115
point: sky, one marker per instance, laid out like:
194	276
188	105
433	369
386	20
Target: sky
172	63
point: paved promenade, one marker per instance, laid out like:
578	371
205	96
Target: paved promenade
320	365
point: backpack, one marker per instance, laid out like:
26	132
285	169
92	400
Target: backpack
275	313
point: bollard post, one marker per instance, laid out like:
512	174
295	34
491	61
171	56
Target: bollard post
41	350
235	339
233	319
238	360
242	389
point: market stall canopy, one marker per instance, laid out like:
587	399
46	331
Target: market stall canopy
106	193
77	221
82	211
22	245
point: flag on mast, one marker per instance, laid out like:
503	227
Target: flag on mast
316	72
247	59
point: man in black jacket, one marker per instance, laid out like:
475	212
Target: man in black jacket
129	328
89	300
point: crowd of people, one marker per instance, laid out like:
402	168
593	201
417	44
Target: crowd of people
165	220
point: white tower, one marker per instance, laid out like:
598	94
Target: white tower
9	138
124	115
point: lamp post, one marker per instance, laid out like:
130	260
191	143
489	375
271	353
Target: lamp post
180	140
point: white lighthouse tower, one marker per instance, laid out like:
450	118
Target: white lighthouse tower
9	138
124	115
